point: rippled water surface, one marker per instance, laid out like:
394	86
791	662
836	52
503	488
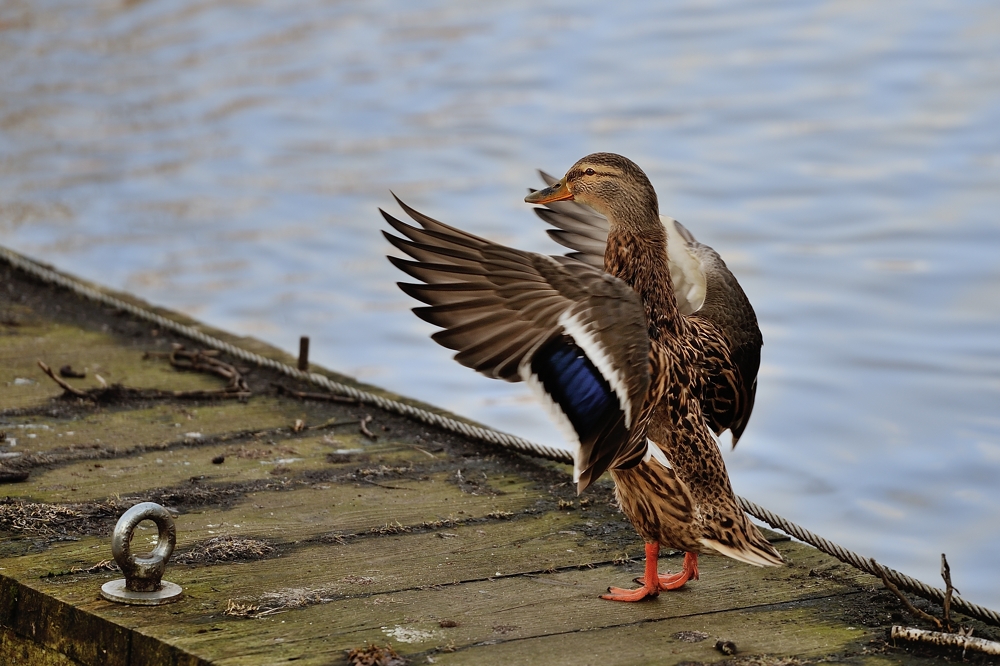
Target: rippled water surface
227	159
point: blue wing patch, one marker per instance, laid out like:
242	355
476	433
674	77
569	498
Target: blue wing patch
576	385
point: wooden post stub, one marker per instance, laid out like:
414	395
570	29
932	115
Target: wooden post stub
304	353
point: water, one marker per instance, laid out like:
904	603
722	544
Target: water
226	160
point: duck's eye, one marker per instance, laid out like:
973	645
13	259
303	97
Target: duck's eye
590	172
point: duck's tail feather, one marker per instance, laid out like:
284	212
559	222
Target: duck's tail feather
756	551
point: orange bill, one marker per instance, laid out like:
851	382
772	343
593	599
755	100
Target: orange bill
557	192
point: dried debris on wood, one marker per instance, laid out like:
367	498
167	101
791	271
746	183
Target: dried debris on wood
281	601
197	361
17	515
373	655
100	567
226	549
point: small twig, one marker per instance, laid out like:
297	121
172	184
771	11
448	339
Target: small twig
196	395
205	361
916	612
364	428
332	423
66	387
949	589
423	451
945	640
306	395
237	609
103	565
382	485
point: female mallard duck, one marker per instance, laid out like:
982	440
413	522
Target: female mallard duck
628	374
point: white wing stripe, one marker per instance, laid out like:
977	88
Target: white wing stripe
654	452
555	411
585	340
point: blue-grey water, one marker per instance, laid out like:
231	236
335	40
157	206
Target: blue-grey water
226	159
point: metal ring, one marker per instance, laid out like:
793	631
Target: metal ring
143	574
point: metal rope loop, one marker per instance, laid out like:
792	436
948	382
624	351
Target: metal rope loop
143	574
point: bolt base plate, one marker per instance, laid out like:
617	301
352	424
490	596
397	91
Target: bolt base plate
115	590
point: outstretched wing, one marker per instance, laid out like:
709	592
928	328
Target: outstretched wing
703	284
576	335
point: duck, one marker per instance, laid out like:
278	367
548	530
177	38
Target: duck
639	387
702	283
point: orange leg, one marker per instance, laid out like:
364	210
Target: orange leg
621	594
677	580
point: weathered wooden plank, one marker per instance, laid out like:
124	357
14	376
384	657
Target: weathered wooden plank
16	650
246	459
806	629
366	566
461	554
319	510
43	318
119	430
301	514
363	567
146	649
70	630
383	589
502	609
96	352
45	629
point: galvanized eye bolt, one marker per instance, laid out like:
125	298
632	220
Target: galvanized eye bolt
143	584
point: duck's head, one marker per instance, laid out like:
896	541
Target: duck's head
610	184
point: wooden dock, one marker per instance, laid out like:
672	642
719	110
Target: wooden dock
301	538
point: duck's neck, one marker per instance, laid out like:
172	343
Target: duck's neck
639	257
